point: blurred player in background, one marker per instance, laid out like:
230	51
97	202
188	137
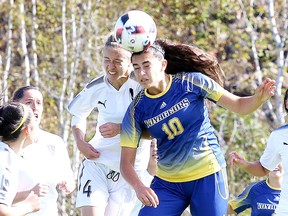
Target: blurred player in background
261	197
276	152
46	165
17	125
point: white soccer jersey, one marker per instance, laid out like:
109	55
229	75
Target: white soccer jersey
46	161
276	152
111	105
8	174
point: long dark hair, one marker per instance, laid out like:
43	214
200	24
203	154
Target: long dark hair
187	58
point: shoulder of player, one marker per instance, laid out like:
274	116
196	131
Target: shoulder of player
257	187
191	76
91	90
279	135
96	82
281	129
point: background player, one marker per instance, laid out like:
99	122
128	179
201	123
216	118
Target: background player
16	126
261	197
46	165
276	152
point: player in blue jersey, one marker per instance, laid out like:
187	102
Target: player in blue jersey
262	196
276	152
191	167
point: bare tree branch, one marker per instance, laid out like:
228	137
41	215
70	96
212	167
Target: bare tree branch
24	42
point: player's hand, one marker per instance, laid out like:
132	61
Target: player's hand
265	90
236	159
87	150
33	201
65	187
147	196
41	189
109	129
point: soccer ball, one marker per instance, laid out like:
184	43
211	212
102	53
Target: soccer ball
135	31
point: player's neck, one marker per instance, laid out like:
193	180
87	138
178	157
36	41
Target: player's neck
275	182
118	83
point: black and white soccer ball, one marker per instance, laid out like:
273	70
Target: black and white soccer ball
135	31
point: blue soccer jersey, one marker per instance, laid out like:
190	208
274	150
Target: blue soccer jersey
178	117
261	197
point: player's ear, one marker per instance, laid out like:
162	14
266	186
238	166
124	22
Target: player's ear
26	130
164	64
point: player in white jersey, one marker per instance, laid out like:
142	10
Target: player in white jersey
276	152
46	165
101	188
16	125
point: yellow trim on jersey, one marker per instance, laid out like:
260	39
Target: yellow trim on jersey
190	175
162	93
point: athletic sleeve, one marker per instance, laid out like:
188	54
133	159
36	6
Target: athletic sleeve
271	157
242	201
209	88
81	107
130	129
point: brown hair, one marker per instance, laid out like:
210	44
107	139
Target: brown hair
186	58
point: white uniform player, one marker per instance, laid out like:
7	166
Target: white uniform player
46	161
100	183
9	162
16	126
276	152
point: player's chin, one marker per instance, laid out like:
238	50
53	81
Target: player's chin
145	84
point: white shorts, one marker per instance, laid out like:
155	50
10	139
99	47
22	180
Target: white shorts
105	189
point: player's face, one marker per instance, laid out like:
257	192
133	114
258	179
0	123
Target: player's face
149	70
34	99
32	128
117	64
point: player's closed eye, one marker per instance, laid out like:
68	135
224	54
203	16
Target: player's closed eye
136	68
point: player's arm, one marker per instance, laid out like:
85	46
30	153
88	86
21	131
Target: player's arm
145	194
80	108
84	147
40	189
254	168
246	105
128	156
30	204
